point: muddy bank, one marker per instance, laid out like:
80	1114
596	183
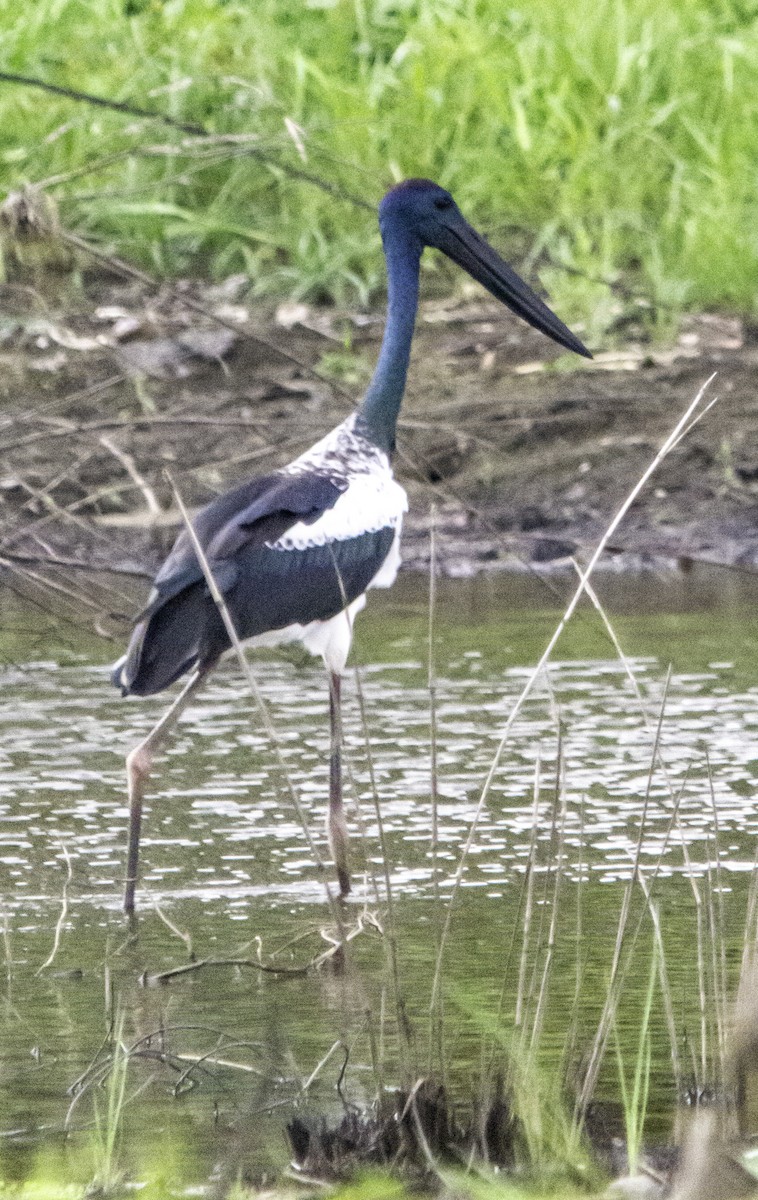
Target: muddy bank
523	458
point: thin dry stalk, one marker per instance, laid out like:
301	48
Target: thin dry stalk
129	465
699	1071
608	1016
47	585
73	564
8	958
690	873
99	101
539	1014
528	901
377	1066
90	500
370	872
432	686
211	1058
62	427
121	267
581	957
41	411
720	977
668	999
702	987
436	1010
691	417
71	471
552	863
381	1057
412	1107
201	964
750	935
54	509
715	936
632	938
579	910
365	921
507	973
108	1006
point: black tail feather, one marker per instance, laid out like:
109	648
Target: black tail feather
179	635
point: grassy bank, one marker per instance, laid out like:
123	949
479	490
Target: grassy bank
619	136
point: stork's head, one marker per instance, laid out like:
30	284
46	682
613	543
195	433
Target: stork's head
429	214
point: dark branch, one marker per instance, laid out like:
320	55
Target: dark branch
130	110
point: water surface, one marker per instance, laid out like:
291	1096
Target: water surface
226	862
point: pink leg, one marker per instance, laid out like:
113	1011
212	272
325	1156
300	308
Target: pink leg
139	763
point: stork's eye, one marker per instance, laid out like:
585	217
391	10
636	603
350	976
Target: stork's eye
443	202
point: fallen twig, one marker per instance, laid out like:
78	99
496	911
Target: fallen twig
201	963
129	465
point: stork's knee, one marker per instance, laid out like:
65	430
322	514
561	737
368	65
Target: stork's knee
139	762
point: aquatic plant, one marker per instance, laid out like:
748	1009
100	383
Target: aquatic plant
107	1135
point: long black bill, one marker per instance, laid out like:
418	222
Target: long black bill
469	250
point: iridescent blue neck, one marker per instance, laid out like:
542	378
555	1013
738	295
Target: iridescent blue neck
377	413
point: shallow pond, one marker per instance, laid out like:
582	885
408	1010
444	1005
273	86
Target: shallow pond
228	1051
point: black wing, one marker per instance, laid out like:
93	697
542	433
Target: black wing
180	624
253	514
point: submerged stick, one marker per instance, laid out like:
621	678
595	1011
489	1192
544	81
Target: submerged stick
201	963
61	916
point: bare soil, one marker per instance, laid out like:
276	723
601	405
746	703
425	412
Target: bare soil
522	459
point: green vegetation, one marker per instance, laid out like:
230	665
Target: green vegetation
618	137
370	1187
634	1100
108	1117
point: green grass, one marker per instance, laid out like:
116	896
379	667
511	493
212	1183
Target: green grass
376	1186
619	135
108	1114
635	1092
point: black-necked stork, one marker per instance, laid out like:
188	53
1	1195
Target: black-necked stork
294	552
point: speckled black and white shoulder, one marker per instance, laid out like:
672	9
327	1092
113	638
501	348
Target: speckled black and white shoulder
342	453
371	500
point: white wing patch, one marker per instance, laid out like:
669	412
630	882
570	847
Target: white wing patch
370	502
